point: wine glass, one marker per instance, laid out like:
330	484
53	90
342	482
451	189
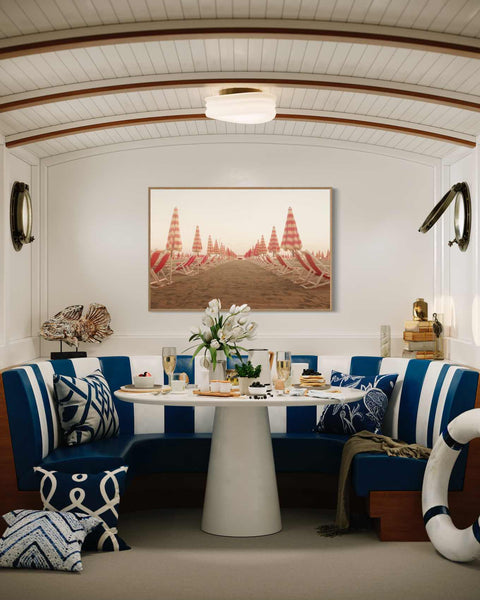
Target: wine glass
284	365
169	362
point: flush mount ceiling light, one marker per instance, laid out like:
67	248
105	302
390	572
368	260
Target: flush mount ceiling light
247	106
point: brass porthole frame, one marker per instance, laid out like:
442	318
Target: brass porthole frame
20	215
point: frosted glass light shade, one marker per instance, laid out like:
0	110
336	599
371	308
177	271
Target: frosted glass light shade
249	108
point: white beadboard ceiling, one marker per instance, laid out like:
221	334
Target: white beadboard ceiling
412	93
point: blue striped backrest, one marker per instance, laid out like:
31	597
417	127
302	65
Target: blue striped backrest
427	395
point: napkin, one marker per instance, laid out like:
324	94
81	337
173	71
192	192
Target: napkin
326	394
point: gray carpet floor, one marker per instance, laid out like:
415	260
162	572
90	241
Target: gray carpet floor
172	559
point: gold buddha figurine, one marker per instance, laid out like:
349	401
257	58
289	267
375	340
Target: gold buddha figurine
420	310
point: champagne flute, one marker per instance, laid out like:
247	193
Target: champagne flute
284	365
169	362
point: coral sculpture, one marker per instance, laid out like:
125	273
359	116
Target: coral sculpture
70	327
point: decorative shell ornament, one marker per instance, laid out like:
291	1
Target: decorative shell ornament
70	327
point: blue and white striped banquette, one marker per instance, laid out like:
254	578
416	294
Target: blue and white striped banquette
427	396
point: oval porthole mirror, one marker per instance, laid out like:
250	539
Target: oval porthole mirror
21	215
462	216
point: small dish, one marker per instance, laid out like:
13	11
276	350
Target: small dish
258	391
141	382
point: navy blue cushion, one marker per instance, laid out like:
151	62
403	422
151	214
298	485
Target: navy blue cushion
386	383
351	417
36	539
93	494
85	408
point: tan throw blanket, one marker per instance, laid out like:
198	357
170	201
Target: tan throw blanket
364	441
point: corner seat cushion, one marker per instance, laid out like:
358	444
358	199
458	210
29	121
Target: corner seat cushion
380	472
308	452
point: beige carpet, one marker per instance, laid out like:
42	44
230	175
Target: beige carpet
172	559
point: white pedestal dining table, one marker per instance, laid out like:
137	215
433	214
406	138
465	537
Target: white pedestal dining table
241	497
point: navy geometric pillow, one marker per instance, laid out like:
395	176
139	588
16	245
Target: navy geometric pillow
352	417
85	408
386	383
94	494
36	539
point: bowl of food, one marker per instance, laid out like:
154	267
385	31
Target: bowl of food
258	389
143	380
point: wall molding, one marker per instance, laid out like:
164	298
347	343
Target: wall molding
283	140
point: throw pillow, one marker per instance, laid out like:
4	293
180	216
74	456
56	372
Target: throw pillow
386	383
36	539
85	407
94	494
352	417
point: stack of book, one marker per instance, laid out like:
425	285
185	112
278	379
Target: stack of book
420	340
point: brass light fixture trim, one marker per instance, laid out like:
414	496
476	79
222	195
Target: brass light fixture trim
20	215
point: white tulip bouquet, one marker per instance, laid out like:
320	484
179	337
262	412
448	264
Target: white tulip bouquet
222	331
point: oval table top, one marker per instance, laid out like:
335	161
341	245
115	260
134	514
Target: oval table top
188	398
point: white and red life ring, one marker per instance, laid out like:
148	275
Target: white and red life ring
461	545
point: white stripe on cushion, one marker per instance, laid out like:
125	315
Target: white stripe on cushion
441	402
40	409
393	365
327	364
46	369
278	419
85	366
148	419
425	401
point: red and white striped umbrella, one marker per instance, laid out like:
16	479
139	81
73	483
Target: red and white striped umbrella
262	247
216	249
209	245
291	239
197	241
273	245
174	240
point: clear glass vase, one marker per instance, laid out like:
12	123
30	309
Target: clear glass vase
220	371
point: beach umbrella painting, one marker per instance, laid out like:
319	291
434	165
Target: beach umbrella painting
262	247
216	249
291	238
174	240
197	241
209	245
273	245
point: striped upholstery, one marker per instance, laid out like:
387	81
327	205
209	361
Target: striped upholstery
426	397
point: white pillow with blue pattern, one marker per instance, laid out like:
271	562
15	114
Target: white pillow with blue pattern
85	408
38	539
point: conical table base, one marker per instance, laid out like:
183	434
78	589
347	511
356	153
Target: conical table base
241	497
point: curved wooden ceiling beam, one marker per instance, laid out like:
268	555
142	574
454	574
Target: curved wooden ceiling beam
95	124
179	80
209	28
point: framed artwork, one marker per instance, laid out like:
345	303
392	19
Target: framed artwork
270	248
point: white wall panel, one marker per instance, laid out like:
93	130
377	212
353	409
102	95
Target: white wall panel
98	244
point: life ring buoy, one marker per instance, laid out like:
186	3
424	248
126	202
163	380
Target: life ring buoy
460	545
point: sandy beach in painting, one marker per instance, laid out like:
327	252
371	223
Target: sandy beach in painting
233	280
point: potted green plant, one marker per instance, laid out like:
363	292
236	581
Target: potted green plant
247	374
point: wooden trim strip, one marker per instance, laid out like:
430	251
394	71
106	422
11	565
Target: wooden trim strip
386	90
30	139
433	44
